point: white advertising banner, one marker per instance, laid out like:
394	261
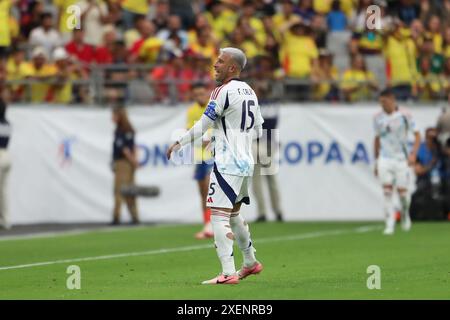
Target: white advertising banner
61	160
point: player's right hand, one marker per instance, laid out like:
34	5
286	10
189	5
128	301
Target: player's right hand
174	147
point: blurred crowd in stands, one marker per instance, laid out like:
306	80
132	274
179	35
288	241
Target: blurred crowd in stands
82	51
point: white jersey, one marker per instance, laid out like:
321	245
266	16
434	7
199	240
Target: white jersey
394	130
235	111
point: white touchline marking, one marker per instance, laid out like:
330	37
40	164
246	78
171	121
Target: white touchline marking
75	232
196	247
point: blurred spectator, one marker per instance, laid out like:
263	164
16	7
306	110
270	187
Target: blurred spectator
221	19
325	78
131	9
428	159
446	47
60	91
93	20
5	32
434	32
428	200
445	10
63	16
161	16
174	26
287	11
204	44
359	20
244	38
172	80
173	45
299	50
78	49
305	10
118	74
323	7
184	10
386	19
436	60
5	166
203	73
358	83
273	38
3	93
200	23
408	10
336	19
16	69
30	12
400	53
46	35
264	75
318	30
41	72
299	55
148	47
446	77
417	33
250	21
369	43
104	53
132	35
429	83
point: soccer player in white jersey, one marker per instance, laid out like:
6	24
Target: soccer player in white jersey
393	126
235	116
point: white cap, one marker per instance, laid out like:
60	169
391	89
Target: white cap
39	51
60	54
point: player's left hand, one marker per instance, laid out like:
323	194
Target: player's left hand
174	147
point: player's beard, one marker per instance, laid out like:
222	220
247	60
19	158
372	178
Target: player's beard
218	79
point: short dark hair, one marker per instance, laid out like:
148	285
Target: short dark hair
138	18
248	3
387	93
46	15
198	84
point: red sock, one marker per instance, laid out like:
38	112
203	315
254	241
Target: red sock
207	215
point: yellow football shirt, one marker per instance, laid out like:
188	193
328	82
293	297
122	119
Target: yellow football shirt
149	50
5	32
357	79
135	6
401	58
62	5
39	91
297	55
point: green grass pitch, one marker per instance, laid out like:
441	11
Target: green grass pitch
301	260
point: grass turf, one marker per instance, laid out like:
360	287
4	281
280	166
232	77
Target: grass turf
319	261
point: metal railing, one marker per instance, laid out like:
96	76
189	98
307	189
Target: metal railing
135	86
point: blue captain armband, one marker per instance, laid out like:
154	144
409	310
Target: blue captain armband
210	111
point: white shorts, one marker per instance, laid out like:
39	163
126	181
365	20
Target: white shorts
394	172
227	190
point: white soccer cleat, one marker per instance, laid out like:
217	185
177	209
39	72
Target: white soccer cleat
406	223
388	231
